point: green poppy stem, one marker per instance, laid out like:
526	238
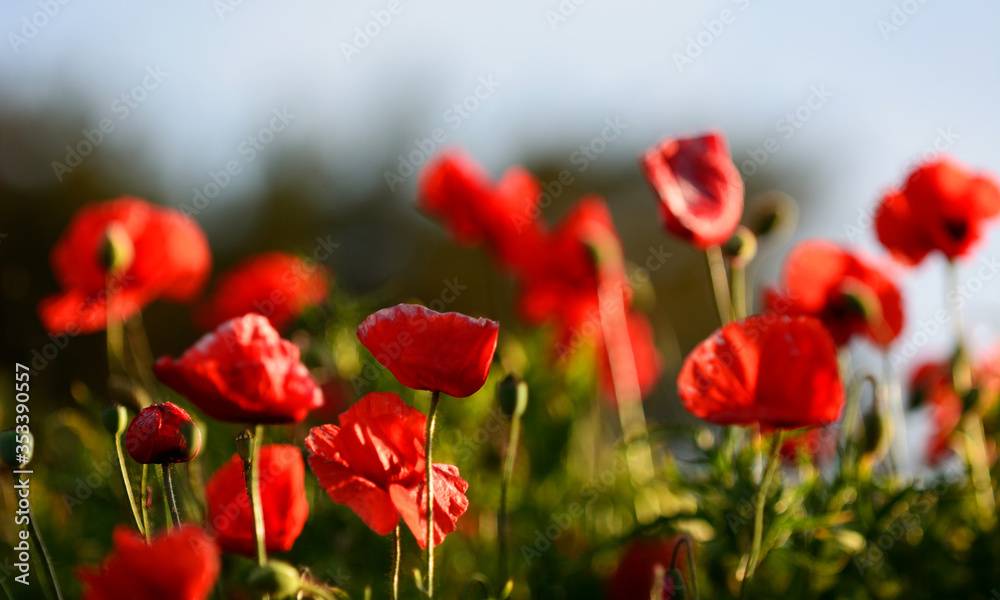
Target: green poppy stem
761	499
36	537
128	484
145	504
720	283
255	502
508	471
738	290
428	447
396	560
168	490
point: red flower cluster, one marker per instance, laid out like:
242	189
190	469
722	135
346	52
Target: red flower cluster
699	187
276	285
428	350
457	190
180	565
243	372
373	462
168	257
161	434
283	502
847	295
559	273
941	207
774	370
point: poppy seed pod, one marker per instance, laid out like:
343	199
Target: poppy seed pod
162	434
244	445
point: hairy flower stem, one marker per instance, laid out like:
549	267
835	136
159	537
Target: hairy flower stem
720	284
36	537
128	484
168	488
761	499
145	503
253	489
508	470
684	541
428	447
397	558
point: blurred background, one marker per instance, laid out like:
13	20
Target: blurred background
301	125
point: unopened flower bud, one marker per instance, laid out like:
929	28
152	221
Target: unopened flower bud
162	434
770	213
244	445
513	395
878	437
16	449
741	247
117	250
115	419
680	589
277	578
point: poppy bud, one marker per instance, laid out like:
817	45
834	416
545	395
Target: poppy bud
878	437
513	395
244	445
680	590
770	213
16	449
277	578
115	419
117	250
162	434
741	248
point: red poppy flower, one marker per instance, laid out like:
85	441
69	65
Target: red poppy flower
283	502
179	565
428	350
636	572
561	283
942	206
774	370
457	190
699	187
847	295
162	433
646	358
276	285
243	372
374	463
169	259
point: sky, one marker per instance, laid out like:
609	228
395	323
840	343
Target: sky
857	90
